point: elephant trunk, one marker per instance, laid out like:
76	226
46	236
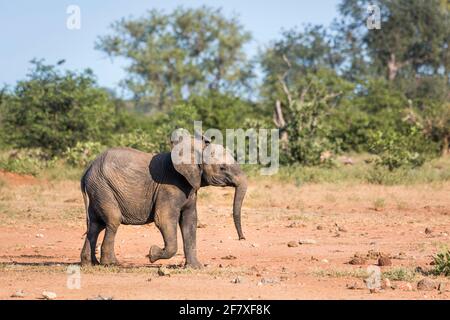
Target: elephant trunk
239	194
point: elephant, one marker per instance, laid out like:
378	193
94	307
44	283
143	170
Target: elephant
131	187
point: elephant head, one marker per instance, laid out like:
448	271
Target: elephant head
203	163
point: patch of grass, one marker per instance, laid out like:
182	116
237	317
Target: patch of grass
442	263
337	273
379	203
400	274
434	171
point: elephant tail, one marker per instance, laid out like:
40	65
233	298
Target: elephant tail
86	201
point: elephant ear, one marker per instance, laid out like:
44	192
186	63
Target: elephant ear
186	157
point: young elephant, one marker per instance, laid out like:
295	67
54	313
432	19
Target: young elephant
127	186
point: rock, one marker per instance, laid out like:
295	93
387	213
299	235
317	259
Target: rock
229	257
292	244
408	287
384	261
255	245
342	229
358	260
386	284
441	287
428	231
307	241
48	295
426	284
296	225
372	254
39	235
18	294
201	225
163	272
325	261
237	280
319	227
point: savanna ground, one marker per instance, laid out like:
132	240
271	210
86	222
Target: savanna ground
42	222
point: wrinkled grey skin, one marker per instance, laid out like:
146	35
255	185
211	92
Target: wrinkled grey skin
126	186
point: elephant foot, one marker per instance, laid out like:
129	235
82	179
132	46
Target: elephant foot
154	253
89	263
193	265
109	261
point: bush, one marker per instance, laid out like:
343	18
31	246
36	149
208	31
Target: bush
136	140
83	153
24	161
52	111
395	150
442	263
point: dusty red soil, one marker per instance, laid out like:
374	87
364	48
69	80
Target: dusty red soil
42	226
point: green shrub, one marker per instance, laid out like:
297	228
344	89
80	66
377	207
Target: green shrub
24	161
395	150
137	139
52	110
83	153
442	263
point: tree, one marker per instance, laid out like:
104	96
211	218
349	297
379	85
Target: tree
53	110
175	55
412	40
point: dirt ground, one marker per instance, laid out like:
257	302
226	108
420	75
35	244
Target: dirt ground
42	225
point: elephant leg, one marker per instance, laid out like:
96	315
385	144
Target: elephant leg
167	224
188	225
88	253
112	220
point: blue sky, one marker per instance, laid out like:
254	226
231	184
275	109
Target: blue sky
37	29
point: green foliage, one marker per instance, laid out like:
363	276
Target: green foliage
177	54
442	263
221	111
395	150
31	161
52	110
83	153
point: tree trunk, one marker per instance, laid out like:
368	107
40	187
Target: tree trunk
279	121
445	146
392	67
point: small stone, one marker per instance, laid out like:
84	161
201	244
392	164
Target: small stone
408	287
201	225
255	245
374	290
342	229
292	244
428	231
307	241
162	272
18	294
386	284
426	284
39	235
229	257
441	287
319	227
384	261
325	261
48	295
237	280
